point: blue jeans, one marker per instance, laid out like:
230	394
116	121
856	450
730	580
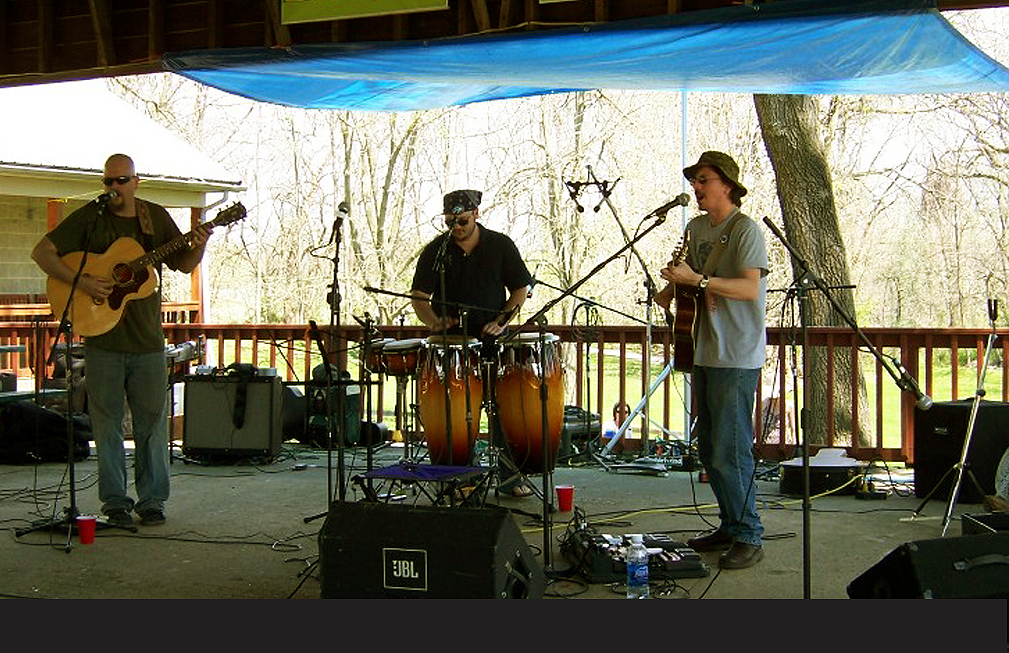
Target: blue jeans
141	380
724	431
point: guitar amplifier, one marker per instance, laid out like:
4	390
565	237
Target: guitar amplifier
235	415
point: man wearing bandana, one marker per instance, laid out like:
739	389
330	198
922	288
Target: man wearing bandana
485	283
483	269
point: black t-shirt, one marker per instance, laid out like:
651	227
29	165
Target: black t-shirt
139	329
479	278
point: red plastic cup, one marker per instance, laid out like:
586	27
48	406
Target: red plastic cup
565	497
86	528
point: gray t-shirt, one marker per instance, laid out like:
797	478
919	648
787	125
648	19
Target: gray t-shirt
734	334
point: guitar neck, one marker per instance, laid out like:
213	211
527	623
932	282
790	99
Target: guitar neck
156	256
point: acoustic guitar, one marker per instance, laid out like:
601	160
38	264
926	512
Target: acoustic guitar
132	272
685	301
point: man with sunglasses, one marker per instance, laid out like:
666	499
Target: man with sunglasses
126	364
482	269
727	266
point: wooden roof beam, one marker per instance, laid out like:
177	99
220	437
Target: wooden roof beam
481	15
155	28
104	43
44	36
276	31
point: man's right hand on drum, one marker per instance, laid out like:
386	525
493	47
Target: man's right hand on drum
441	323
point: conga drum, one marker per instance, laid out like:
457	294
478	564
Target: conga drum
519	408
402	357
433	378
371	356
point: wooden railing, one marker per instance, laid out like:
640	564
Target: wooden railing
593	359
29	308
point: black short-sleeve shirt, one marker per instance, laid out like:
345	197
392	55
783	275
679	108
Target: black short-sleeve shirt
479	278
139	329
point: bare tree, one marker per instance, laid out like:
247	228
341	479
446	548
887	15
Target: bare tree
790	130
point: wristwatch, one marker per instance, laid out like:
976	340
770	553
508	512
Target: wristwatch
703	283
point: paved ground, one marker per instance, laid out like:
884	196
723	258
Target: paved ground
247	530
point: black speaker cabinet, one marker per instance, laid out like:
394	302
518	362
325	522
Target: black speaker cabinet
967	567
939	434
232	416
380	550
317	425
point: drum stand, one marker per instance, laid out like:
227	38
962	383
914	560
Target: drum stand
499	461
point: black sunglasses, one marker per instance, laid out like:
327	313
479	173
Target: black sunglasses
121	180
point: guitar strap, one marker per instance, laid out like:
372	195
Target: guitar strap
720	246
144	217
147	229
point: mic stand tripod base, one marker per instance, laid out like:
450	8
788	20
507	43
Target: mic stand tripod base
69	522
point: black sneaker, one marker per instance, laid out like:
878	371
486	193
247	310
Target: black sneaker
152	518
120	518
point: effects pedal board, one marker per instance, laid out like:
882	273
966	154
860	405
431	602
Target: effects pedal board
600	557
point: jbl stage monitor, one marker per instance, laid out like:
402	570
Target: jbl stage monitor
939	434
232	416
968	567
381	550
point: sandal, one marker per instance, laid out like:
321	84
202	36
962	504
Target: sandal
521	491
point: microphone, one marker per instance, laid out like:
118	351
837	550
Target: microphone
681	200
907	382
532	284
106	196
342	212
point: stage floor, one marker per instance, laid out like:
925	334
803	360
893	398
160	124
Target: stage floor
239	530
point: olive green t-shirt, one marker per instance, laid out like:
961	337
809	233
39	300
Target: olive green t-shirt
139	329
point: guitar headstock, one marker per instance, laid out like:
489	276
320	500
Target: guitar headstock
680	255
230	215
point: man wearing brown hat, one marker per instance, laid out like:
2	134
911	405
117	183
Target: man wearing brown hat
726	266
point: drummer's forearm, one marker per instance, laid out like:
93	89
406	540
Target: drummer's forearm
515	301
422	307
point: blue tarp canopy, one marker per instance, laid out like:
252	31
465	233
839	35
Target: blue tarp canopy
871	47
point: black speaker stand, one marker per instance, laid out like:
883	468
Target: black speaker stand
960	467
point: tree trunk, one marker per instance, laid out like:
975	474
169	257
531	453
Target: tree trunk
789	127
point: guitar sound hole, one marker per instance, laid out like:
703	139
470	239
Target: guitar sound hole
122	274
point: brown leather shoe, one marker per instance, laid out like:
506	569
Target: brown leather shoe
740	556
995	503
713	541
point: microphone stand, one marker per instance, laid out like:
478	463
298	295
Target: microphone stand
646	354
71	512
536	318
446	359
335	299
803	282
959	467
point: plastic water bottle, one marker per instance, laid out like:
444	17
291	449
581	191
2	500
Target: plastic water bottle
637	568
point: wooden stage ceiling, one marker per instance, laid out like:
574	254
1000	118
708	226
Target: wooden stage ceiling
60	40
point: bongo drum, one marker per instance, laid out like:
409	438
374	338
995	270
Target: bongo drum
371	356
433	379
401	357
520	411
